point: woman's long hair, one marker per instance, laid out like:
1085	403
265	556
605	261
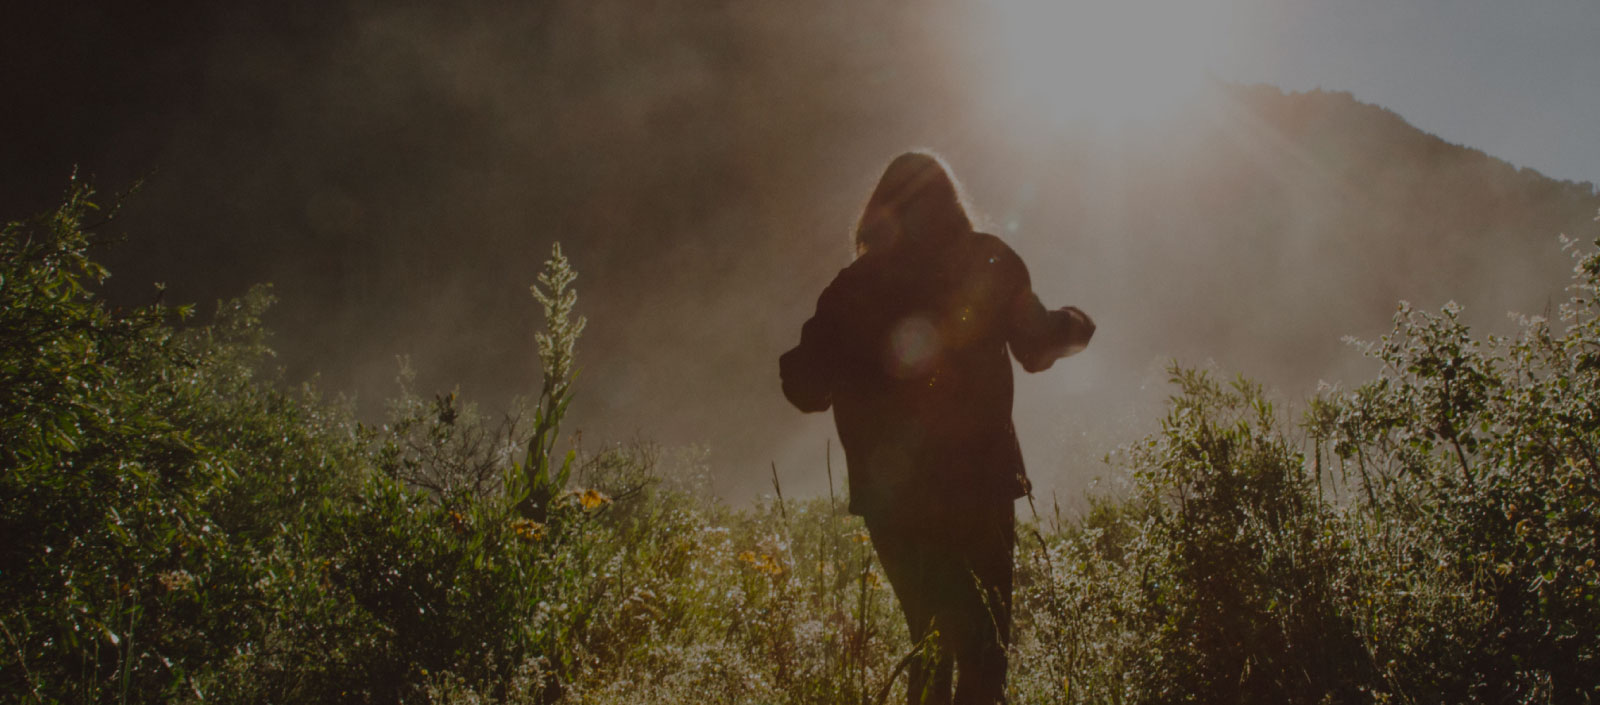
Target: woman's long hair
916	203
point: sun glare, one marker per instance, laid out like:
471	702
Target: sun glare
1104	62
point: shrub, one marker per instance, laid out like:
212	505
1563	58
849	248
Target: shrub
182	526
1216	580
148	475
1431	540
1476	461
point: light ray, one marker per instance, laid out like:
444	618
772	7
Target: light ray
1104	62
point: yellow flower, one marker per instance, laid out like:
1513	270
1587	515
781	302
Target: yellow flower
592	499
762	563
528	529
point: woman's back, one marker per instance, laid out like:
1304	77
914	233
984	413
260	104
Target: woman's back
909	348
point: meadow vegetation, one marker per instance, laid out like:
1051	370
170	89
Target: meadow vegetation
181	525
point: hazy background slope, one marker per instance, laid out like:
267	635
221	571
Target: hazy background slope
400	170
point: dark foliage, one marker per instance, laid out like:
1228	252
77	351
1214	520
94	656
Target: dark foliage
180	526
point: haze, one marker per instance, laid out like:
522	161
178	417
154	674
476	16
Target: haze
400	171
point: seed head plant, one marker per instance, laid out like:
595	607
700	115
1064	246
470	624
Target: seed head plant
557	347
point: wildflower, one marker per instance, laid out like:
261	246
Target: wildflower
593	499
528	529
762	563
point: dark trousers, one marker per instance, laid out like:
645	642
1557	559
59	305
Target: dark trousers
953	576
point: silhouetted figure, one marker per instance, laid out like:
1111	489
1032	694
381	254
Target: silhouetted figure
908	345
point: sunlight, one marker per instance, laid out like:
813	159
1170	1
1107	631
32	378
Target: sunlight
1104	62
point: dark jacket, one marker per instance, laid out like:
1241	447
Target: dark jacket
909	348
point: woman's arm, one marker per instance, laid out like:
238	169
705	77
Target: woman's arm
808	371
1037	336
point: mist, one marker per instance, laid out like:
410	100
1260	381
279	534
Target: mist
399	173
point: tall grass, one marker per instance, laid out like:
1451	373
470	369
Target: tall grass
180	526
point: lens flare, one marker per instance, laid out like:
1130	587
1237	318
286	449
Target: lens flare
913	346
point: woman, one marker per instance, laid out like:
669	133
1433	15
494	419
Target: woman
908	346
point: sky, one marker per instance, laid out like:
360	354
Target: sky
399	169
